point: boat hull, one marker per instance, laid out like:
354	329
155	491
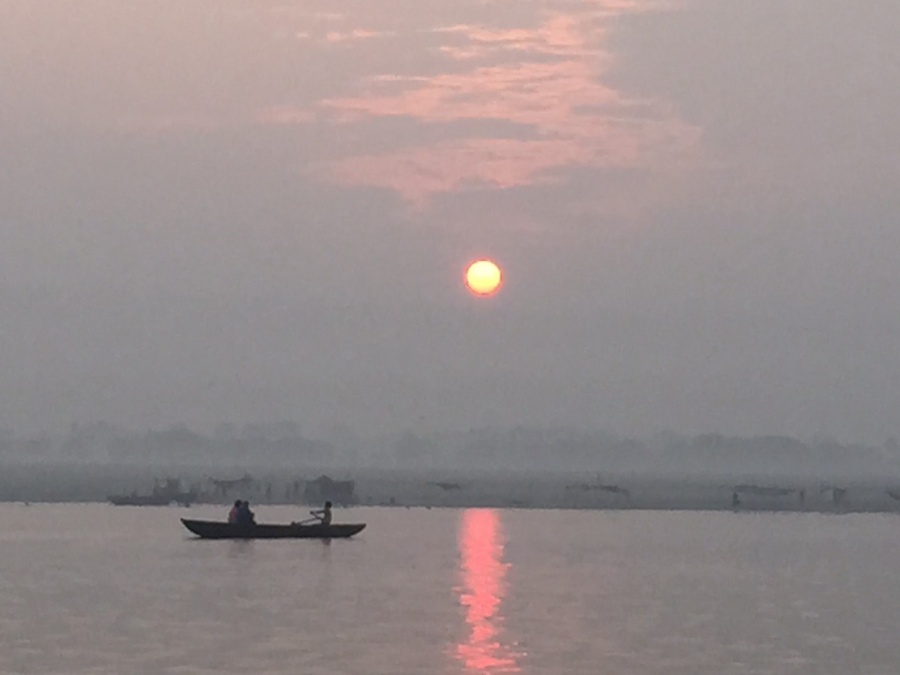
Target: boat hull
211	529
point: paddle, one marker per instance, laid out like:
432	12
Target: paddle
314	519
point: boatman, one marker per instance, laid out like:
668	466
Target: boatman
233	514
324	514
244	515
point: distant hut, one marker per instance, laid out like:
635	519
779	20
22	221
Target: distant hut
224	488
325	488
837	494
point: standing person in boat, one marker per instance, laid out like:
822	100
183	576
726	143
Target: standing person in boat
233	514
324	514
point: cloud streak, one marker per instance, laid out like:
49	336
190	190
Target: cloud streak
559	112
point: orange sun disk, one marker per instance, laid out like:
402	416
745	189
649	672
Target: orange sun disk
483	277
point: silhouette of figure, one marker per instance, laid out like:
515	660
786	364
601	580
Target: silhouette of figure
233	514
324	514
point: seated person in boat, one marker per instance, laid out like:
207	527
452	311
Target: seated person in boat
244	515
324	514
233	514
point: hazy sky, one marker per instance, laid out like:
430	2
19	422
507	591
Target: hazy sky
234	211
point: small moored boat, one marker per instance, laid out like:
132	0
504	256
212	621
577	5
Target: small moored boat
212	529
164	493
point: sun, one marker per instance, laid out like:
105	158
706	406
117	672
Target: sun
483	277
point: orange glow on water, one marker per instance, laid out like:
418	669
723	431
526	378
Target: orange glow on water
483	586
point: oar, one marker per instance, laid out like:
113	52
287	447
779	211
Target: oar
308	521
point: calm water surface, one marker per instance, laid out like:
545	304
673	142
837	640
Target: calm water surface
100	589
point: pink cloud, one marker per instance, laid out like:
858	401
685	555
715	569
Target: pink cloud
355	34
567	117
286	115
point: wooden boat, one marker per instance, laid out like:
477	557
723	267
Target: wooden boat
213	529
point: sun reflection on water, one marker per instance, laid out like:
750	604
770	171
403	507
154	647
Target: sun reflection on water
481	592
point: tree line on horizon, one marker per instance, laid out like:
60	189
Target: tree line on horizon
519	448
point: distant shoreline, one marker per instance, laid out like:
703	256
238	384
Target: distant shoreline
740	494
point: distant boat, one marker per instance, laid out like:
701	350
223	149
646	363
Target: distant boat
163	494
213	529
151	500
